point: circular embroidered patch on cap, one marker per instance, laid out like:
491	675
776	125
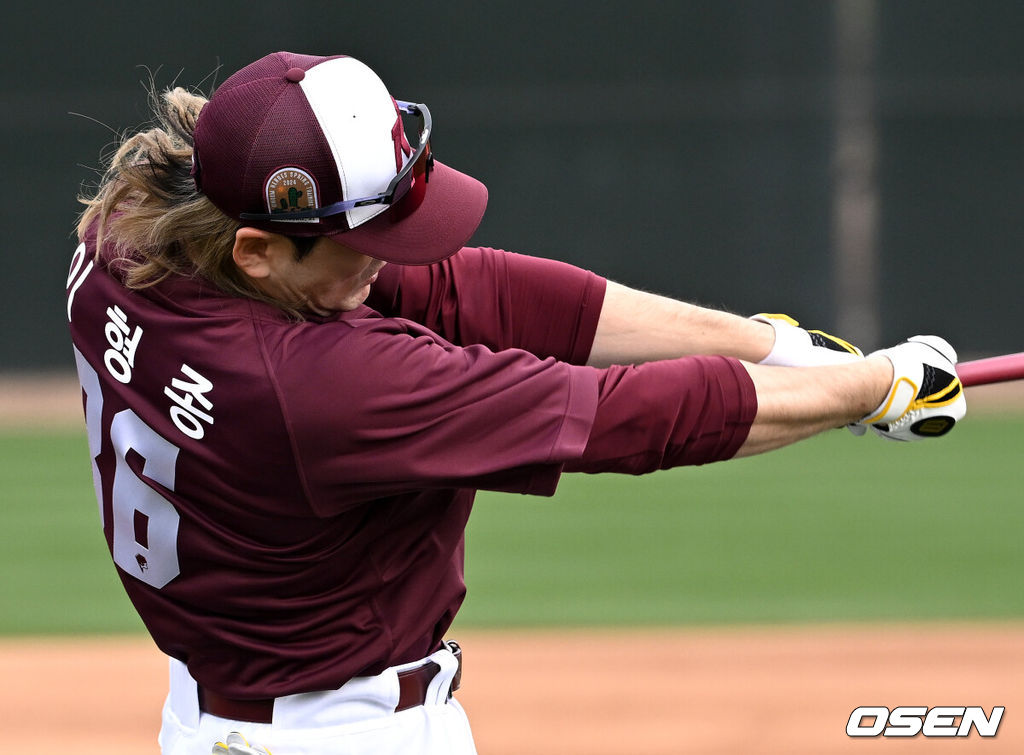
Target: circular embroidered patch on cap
291	190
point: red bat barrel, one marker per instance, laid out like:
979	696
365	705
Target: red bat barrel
992	370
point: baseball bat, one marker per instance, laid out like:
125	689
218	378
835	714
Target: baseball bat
992	370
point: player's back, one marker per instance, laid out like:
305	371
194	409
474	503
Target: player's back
205	508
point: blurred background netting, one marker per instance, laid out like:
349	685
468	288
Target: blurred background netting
854	163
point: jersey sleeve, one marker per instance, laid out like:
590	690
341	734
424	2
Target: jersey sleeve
498	299
389	408
678	412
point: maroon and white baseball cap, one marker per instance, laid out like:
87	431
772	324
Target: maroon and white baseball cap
304	145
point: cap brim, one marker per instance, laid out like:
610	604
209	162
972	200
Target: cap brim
452	208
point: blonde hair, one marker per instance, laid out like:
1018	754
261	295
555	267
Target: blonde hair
148	210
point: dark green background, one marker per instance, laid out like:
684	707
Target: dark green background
680	146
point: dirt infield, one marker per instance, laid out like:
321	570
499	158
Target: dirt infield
774	690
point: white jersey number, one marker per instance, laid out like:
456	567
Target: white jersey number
145	523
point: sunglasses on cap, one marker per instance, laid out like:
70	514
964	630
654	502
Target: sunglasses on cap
416	167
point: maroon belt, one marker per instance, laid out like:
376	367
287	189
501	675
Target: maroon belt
412	691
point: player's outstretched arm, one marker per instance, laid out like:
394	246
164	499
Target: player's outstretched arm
796	403
636	327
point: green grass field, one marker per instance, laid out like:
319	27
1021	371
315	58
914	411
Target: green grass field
834	529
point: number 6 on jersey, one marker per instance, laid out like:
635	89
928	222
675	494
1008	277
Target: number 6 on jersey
145	524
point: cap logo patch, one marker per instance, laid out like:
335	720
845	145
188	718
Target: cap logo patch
291	190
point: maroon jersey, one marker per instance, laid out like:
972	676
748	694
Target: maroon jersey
285	501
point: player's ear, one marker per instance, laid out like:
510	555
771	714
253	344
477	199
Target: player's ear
254	249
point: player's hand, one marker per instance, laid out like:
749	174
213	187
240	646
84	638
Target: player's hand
796	347
926	398
236	744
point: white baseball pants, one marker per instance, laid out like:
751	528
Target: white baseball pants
357	719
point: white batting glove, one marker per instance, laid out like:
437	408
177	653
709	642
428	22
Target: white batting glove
796	347
926	398
236	744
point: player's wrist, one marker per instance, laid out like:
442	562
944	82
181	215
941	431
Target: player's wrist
763	337
880	377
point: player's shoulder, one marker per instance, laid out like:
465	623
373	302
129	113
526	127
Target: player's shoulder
361	339
362	325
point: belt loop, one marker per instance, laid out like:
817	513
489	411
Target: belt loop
457	652
440	688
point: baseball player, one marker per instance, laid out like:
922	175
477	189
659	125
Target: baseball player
295	375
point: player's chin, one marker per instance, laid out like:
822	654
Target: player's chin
354	299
